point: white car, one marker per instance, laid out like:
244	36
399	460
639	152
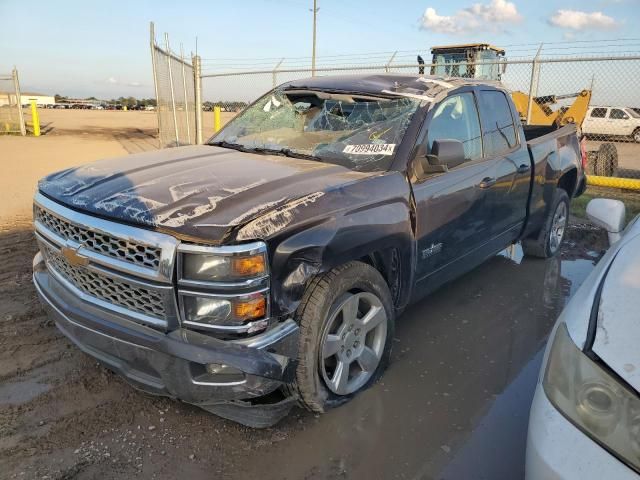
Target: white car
585	418
617	121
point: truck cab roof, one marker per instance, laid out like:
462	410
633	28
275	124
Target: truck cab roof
376	84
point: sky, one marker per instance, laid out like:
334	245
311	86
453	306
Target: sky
81	48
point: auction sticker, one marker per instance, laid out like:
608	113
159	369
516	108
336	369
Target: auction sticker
370	149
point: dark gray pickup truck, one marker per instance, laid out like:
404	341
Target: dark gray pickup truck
267	267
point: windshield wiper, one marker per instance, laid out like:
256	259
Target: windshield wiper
234	146
287	152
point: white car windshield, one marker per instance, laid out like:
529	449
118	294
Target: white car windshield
360	132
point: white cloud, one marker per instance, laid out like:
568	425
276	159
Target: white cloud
577	20
134	84
112	80
491	16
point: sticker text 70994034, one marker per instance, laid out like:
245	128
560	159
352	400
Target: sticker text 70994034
370	149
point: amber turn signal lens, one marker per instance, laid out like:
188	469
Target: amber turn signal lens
248	266
250	309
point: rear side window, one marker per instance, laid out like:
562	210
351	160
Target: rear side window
498	128
617	114
598	112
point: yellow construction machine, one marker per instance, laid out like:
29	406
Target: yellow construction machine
486	62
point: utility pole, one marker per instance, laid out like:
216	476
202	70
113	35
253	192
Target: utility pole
313	52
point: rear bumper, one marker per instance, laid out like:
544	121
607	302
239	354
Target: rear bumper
171	364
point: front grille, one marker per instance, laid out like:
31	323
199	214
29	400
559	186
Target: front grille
106	288
126	250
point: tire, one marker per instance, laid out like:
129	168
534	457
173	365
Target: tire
607	160
636	135
546	243
322	315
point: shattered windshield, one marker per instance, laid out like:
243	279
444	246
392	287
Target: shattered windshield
359	132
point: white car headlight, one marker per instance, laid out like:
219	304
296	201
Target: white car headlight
593	399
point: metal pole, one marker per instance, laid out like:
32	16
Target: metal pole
16	87
152	41
533	86
197	78
186	97
173	97
386	67
274	73
313	51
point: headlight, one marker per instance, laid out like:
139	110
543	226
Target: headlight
199	264
224	288
234	313
593	399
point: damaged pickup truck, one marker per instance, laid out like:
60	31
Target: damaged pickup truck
267	267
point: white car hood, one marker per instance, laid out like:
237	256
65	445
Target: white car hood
617	339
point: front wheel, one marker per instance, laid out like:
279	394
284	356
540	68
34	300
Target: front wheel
548	241
346	329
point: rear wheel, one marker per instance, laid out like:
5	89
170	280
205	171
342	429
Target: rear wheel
346	326
548	241
636	135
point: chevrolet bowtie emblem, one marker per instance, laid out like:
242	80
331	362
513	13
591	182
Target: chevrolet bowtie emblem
73	257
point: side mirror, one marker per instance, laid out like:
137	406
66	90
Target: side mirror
608	214
447	153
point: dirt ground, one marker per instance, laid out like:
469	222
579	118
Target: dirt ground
463	369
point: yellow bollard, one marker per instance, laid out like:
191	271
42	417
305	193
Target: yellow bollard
216	118
35	119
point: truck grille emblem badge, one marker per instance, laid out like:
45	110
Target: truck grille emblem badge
73	257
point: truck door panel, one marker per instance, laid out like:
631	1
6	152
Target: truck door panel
508	197
452	215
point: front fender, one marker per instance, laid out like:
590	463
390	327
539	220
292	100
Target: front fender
347	223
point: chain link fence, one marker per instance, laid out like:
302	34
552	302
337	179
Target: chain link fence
174	81
608	85
11	117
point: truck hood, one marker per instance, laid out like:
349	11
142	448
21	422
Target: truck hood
197	191
618	331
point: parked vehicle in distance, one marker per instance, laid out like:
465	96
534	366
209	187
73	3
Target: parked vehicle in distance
612	121
267	267
586	410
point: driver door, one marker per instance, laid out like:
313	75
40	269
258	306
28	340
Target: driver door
453	218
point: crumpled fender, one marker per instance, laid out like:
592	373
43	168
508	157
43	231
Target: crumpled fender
327	229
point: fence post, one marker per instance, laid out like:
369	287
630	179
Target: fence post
533	85
152	41
186	97
16	87
173	97
197	79
386	67
216	118
274	73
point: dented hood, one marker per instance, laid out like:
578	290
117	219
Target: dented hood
197	191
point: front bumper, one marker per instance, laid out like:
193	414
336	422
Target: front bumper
171	364
556	449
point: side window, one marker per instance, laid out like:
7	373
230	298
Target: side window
456	118
498	128
617	114
598	112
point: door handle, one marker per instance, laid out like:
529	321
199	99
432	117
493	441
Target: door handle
524	168
487	182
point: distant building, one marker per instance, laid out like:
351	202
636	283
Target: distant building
26	97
